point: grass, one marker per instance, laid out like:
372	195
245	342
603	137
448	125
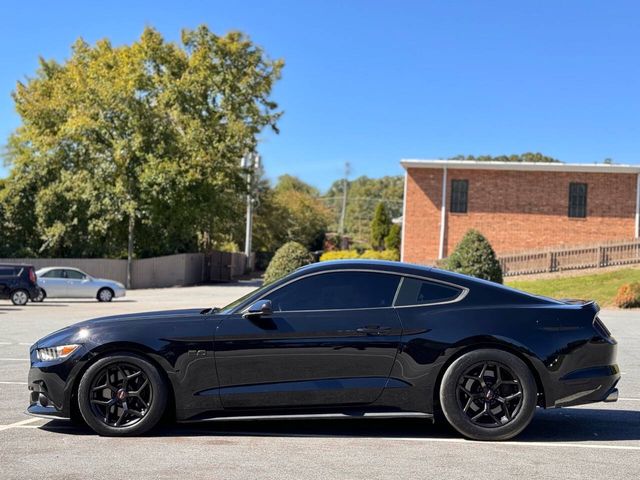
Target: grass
601	287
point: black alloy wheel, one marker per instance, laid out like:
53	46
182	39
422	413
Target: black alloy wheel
122	395
488	394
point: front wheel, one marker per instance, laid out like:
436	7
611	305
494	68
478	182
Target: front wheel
488	395
40	297
122	395
105	295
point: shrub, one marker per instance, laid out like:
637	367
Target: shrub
287	258
393	239
474	256
392	255
339	255
628	295
353	254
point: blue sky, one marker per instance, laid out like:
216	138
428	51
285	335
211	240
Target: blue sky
371	82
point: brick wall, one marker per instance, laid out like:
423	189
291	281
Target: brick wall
516	210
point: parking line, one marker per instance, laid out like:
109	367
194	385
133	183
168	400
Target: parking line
522	444
14	359
629	399
18	424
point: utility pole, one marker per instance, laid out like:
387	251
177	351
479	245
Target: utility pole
250	162
344	197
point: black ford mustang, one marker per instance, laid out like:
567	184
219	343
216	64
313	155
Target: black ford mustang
345	337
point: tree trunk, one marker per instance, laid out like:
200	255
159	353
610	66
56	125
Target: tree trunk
132	221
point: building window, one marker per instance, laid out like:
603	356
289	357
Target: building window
459	196
577	200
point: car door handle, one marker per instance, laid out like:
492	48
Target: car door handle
373	330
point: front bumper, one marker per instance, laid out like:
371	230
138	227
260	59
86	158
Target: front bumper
51	385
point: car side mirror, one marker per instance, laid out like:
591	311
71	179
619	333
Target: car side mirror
259	308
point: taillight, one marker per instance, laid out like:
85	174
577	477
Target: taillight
32	276
601	328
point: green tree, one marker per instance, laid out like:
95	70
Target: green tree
364	194
474	256
393	239
136	148
522	157
288	258
380	227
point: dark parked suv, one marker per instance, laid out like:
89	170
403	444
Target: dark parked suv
18	283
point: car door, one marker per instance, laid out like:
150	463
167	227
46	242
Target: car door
331	340
78	284
54	283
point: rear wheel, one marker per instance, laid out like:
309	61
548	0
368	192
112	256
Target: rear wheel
19	297
122	395
488	395
105	295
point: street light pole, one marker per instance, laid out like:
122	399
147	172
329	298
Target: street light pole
251	162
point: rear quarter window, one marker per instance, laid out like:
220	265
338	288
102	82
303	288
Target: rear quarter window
421	292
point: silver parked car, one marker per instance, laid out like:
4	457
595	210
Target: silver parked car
65	282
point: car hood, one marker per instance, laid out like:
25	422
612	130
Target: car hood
79	332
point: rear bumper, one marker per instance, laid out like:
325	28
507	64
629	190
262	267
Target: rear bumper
590	385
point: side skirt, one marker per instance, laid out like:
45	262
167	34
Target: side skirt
329	416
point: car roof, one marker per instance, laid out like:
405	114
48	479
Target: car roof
355	264
46	269
15	265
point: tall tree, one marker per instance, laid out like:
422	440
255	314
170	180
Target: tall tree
137	147
380	227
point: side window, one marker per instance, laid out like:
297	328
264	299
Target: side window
420	292
7	271
53	274
336	291
74	274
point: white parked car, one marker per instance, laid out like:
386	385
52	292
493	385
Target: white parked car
65	282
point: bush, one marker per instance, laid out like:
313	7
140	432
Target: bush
474	256
339	255
287	258
392	255
628	295
380	226
353	254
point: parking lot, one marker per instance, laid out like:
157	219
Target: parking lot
580	442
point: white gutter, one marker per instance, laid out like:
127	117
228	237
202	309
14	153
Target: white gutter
637	231
443	213
404	216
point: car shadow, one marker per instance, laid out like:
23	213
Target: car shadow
561	425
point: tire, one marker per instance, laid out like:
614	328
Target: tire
109	411
105	295
488	395
40	297
19	297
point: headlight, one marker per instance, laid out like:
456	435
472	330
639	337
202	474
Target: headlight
55	353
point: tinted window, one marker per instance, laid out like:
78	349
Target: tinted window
418	292
459	196
7	272
53	274
340	290
578	200
74	274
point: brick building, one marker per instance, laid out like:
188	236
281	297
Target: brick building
517	206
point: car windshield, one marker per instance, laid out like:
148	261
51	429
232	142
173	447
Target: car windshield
235	303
